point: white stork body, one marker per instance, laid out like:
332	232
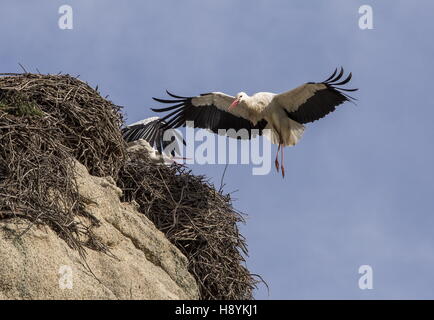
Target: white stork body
260	106
284	114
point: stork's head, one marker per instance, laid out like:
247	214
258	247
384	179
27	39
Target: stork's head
240	97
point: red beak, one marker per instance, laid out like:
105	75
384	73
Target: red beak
234	104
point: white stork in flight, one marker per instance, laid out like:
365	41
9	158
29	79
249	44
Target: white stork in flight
284	114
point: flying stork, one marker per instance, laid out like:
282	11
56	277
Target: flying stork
283	114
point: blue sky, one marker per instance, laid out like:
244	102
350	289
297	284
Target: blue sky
359	185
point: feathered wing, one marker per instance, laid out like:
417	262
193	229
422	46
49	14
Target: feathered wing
208	111
312	101
153	131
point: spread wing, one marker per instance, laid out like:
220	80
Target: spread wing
209	111
314	100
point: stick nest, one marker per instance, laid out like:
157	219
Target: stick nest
195	217
45	120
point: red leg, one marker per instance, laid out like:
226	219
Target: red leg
282	162
276	162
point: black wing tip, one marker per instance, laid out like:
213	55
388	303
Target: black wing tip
332	82
168	101
176	98
174	95
331	77
335	77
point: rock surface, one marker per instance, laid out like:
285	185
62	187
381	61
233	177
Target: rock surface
40	265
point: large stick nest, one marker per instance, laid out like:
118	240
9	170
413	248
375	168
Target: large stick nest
45	120
197	218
